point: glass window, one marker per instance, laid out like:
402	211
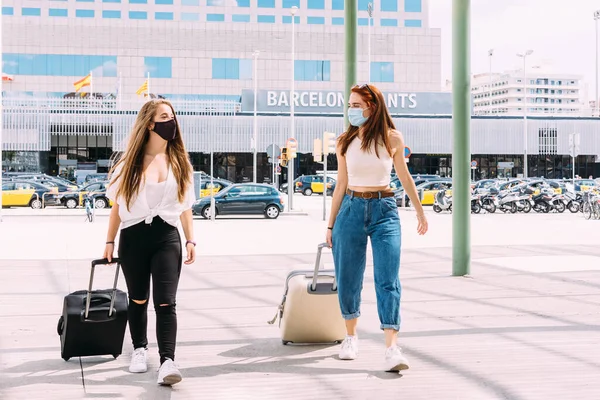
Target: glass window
337	4
111	1
138	15
158	67
389	5
316	4
215	3
266	3
190	2
215	17
58	12
382	72
412	6
311	70
190	16
412	23
86	1
316	20
8	11
31	12
240	18
111	14
389	22
266	19
231	68
163	16
8	186
337	21
243	3
291	3
84	13
59	65
287	19
363	5
163	2
245	69
138	1
363	22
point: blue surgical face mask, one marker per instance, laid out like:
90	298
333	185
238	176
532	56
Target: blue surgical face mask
356	117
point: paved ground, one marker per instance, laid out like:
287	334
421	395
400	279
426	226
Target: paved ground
523	326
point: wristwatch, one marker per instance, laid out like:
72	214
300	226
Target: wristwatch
192	242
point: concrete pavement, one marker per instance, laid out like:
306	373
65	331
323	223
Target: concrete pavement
524	326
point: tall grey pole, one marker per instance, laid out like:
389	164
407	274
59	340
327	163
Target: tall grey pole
1	129
370	12
490	54
597	99
255	121
461	122
350	25
291	188
525	166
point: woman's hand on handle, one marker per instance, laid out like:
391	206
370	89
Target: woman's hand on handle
328	238
108	251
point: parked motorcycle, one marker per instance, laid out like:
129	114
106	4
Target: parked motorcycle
442	202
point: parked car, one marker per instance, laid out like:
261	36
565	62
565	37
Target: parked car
429	189
309	184
16	193
217	185
74	199
243	198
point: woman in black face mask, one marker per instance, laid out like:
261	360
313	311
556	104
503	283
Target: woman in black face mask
153	192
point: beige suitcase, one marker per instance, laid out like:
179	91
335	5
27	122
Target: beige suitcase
310	311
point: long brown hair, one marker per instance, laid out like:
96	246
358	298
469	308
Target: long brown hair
377	128
132	160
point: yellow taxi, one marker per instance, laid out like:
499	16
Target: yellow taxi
206	187
17	193
430	189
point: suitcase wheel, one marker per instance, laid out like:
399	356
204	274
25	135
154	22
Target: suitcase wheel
285	342
338	341
115	356
61	325
66	358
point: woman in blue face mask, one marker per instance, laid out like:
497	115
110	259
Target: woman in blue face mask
364	207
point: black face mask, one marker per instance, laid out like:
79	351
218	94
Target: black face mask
166	130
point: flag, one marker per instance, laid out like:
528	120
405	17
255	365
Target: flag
87	81
143	88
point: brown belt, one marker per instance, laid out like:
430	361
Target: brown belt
370	195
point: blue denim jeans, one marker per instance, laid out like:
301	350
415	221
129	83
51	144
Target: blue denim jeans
357	220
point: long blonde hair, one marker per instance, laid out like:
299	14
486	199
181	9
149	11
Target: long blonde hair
132	160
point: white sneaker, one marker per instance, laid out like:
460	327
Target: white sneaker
139	360
168	374
349	349
395	360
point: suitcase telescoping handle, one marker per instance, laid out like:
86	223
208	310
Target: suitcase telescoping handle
102	261
313	285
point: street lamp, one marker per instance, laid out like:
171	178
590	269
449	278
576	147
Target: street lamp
293	11
524	56
596	18
255	130
490	54
370	12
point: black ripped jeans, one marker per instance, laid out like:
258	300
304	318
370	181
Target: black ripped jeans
152	250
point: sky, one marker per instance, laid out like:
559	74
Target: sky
561	34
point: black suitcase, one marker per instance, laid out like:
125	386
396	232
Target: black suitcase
93	321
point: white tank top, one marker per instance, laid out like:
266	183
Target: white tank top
365	168
154	193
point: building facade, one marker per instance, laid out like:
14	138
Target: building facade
209	49
544	93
